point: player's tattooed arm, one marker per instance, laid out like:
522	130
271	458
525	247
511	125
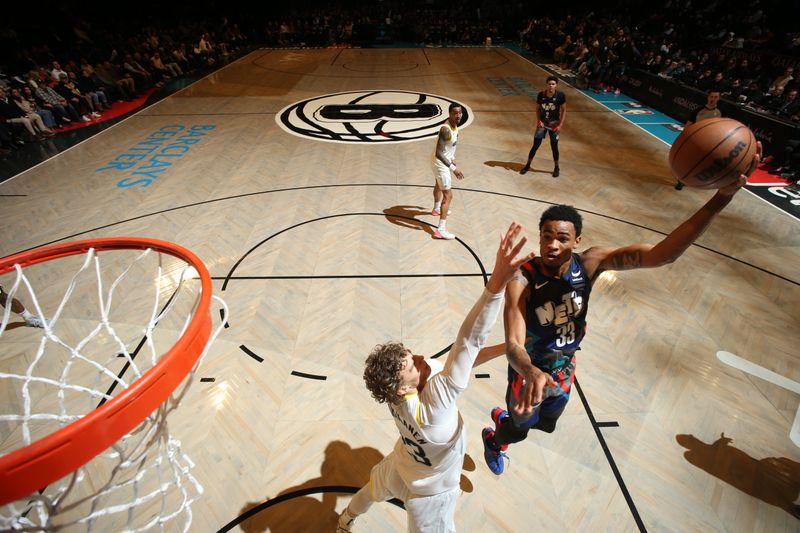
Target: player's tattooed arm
441	142
625	260
598	259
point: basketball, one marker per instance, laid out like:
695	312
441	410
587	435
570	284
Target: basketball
713	153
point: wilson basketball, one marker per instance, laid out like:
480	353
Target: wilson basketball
712	153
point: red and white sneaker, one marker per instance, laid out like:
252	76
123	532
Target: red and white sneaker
435	212
443	234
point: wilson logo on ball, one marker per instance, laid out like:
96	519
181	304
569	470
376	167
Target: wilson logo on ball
721	164
369	117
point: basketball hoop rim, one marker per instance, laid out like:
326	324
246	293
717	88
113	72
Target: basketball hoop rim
28	469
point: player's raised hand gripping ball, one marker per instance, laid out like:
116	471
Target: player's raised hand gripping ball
713	153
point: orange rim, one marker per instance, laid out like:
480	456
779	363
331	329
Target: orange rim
28	469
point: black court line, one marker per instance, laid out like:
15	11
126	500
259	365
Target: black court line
428	59
311	187
202	114
222	317
442	352
608	424
207	380
349	276
246	350
13	195
308	376
134	353
610	458
348	68
296	494
348	74
383	215
336	57
482	376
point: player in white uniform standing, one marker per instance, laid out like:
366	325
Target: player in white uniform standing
444	161
424	468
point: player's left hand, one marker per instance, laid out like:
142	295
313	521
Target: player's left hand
506	261
458	173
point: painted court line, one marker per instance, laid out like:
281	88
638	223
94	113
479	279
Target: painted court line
767	375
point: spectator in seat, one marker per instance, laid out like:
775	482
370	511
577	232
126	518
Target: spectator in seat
168	70
71	94
49	99
142	77
57	71
37	120
789	106
98	96
47	116
12	114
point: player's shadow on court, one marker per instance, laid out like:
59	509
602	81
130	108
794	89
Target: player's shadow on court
773	480
14	325
311	506
516	167
295	509
405	216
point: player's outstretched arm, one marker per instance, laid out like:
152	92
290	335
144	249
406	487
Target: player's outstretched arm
481	318
507	261
673	245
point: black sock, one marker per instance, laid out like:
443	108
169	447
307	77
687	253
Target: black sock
493	443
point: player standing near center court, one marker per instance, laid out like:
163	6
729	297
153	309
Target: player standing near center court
551	110
424	469
444	161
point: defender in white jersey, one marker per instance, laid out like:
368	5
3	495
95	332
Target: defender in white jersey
424	468
444	161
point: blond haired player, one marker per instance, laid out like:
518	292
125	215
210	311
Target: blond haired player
424	468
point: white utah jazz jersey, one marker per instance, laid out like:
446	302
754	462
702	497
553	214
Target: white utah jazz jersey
449	147
430	451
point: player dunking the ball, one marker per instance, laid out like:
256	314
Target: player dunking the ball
424	468
551	111
444	161
545	315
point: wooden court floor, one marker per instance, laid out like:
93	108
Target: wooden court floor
318	236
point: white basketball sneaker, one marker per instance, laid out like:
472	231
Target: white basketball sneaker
34	321
443	234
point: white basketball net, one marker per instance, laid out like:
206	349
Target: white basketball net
53	376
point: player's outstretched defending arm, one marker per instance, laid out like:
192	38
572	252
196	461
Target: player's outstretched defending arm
477	325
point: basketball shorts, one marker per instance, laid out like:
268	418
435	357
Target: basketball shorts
540	133
554	399
442	175
426	514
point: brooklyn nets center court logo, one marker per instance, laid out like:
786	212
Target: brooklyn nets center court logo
369	117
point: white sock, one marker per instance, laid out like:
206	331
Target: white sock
442	224
437	205
346	519
25	314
